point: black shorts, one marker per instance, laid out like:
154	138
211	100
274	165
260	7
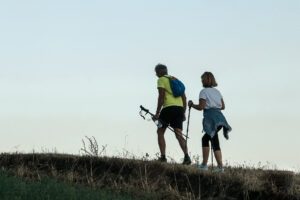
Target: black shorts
173	116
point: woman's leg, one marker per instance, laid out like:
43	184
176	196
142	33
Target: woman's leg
205	153
218	156
217	150
205	148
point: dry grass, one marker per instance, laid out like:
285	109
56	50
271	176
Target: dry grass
169	181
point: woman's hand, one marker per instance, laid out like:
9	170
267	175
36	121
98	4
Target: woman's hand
190	103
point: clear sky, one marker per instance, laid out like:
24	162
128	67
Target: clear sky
75	68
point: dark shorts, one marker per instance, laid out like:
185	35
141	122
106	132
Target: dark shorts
214	140
173	116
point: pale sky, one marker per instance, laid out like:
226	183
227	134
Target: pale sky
75	68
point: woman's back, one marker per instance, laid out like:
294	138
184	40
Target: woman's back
212	96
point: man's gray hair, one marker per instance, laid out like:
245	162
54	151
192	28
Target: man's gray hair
161	69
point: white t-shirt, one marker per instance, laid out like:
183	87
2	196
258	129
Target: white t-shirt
212	96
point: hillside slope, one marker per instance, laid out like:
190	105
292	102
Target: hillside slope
168	181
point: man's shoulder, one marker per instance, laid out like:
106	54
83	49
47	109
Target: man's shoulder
163	78
162	81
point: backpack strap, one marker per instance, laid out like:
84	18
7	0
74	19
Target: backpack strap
169	77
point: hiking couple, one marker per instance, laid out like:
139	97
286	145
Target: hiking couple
171	111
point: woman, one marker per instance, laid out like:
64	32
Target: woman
211	101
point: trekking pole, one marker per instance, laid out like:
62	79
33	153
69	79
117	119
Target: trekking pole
152	115
188	123
212	156
187	128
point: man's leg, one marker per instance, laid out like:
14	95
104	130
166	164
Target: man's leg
161	140
183	145
181	140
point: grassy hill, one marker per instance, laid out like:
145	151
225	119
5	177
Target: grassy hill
149	179
46	188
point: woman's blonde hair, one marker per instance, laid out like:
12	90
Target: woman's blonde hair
208	80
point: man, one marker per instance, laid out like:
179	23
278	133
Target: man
173	113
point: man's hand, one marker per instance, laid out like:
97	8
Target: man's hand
184	118
156	116
190	103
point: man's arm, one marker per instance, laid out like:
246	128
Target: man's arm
160	101
184	104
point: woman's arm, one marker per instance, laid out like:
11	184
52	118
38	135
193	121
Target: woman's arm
200	106
223	104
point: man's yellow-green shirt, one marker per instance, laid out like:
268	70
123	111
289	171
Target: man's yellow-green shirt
170	100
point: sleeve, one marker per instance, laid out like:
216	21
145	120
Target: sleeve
160	83
220	94
202	94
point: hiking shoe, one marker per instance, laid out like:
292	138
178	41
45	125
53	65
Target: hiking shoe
187	160
218	169
162	159
202	167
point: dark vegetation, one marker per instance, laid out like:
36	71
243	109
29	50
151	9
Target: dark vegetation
142	178
18	188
